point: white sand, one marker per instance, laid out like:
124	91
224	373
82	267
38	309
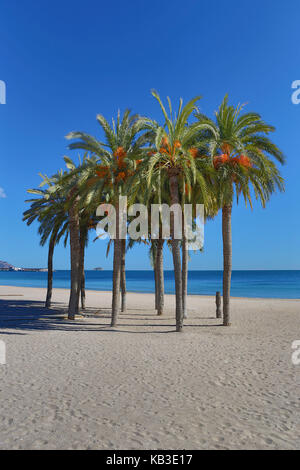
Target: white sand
83	385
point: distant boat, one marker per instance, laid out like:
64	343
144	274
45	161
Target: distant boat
98	269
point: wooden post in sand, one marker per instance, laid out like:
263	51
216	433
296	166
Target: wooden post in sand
218	304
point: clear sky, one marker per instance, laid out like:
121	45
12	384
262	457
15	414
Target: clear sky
65	61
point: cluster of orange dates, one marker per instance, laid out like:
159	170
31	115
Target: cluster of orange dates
194	152
166	147
224	158
120	154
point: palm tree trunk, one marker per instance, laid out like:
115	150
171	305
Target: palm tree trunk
227	262
173	181
81	268
116	272
160	276
123	277
75	257
50	268
82	288
154	254
184	275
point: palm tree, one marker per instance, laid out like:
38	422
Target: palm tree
50	212
74	229
184	274
81	206
83	234
157	263
240	151
69	214
170	159
193	195
138	191
70	187
115	164
87	222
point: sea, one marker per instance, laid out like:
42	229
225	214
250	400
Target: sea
260	284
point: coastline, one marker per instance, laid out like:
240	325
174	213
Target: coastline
204	296
245	284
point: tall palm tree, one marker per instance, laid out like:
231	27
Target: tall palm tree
157	263
70	187
74	229
170	159
139	191
83	234
241	153
50	212
81	206
194	195
116	162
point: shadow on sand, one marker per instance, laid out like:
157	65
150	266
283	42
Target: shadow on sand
26	315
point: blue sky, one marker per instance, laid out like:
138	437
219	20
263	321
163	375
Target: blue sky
65	61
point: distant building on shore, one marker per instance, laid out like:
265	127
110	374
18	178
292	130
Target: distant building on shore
4	266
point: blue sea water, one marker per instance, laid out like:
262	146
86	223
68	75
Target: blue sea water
268	284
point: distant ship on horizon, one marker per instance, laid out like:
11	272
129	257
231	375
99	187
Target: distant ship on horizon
98	269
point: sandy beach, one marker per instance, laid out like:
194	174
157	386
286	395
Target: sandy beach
83	385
